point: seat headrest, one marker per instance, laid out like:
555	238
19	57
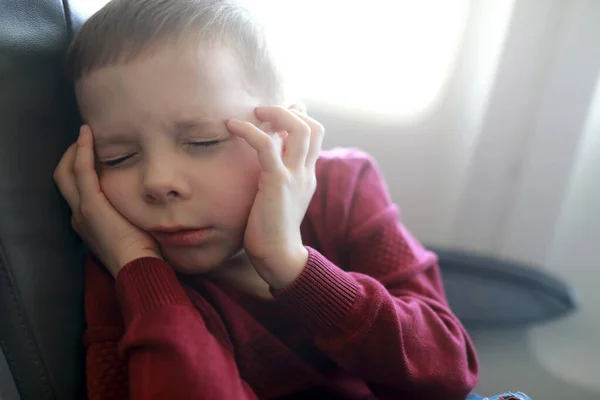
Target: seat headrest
41	274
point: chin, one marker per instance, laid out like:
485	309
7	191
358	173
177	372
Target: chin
194	261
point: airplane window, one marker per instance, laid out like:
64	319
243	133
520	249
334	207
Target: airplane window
382	56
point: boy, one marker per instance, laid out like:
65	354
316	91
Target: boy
233	259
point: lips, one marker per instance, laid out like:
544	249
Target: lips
181	237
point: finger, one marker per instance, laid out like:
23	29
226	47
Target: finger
316	138
266	149
298	139
65	179
298	106
86	177
75	225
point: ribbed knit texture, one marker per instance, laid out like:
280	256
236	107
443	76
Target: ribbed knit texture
323	294
145	285
366	319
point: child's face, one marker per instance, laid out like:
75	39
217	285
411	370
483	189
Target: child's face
155	111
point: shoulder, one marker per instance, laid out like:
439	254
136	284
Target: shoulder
344	174
343	161
349	189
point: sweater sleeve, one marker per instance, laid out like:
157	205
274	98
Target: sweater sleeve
386	318
106	370
167	351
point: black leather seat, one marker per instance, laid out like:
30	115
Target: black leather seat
41	275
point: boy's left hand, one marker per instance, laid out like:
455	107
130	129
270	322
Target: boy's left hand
286	185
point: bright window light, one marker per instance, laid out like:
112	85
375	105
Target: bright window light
382	56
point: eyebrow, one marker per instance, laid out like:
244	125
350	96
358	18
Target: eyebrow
187	125
184	126
113	139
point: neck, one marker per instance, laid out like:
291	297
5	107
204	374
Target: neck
239	272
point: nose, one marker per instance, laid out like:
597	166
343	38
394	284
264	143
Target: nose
164	182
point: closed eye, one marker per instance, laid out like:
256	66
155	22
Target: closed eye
205	144
117	161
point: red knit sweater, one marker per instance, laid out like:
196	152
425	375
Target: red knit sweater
366	319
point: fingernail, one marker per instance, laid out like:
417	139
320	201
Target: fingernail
80	135
298	107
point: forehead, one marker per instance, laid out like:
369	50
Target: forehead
169	83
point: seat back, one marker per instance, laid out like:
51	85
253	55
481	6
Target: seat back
41	274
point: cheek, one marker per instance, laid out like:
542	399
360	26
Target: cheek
118	188
237	181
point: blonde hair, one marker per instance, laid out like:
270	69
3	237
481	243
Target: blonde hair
125	29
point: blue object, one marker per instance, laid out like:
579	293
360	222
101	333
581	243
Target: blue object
486	292
505	396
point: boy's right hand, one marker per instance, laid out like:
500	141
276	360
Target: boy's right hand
112	238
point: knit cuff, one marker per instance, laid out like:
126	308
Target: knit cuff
323	294
145	284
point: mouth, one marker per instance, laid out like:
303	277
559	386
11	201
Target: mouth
181	237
